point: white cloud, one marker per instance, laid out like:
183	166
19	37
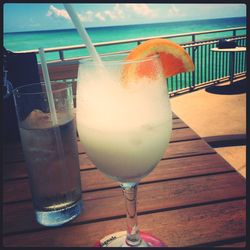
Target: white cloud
87	17
116	13
141	10
100	16
173	11
53	11
117	10
110	14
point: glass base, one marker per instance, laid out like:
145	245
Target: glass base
118	240
59	217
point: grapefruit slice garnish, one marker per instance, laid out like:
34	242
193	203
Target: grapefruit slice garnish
173	57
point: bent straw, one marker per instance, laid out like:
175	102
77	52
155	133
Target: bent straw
83	33
48	87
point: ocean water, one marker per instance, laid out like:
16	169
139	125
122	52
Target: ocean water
56	38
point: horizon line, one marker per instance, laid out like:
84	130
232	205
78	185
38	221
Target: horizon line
110	26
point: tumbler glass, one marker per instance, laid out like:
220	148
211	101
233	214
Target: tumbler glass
50	152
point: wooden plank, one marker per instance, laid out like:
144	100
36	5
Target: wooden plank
183	134
18	169
178	123
174	116
14	170
151	197
186	148
226	140
240	244
12	153
179	228
61	72
18	190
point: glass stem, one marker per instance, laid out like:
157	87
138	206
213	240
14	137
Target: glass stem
130	194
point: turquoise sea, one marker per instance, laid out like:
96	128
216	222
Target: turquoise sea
56	38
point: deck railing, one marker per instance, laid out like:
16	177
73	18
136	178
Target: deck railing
210	67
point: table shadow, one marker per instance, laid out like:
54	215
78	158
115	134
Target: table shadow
235	88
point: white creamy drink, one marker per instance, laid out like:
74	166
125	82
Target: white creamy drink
125	130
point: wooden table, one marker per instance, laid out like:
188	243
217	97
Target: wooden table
232	52
192	198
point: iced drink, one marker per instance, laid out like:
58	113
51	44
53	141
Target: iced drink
51	157
125	130
39	142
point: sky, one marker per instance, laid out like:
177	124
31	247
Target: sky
40	16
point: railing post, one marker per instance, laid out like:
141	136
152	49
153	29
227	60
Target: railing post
192	84
61	55
234	33
231	65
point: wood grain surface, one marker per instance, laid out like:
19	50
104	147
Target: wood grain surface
192	198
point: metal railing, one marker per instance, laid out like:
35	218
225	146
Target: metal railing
210	67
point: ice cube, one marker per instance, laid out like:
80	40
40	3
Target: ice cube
37	119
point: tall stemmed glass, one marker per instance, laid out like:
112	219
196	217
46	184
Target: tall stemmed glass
124	121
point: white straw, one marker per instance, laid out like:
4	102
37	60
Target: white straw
59	145
48	87
82	32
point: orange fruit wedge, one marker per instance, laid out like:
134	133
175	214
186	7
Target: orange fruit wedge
173	57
